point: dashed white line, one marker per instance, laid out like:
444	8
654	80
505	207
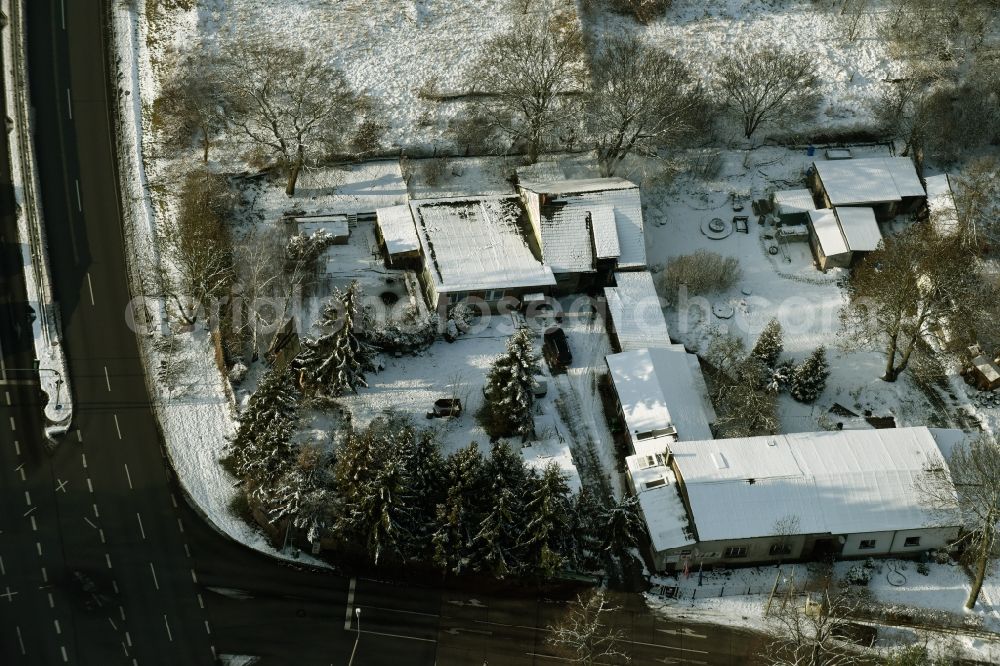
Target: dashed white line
8	397
62	8
107	379
187	551
201	603
113	625
173	500
38	547
128	638
27	498
13	426
20	641
208	629
17	447
34	525
69	103
107	558
194	577
89	522
117	427
21	470
52	602
180	525
30	511
90	486
62	648
121	613
90	287
129	477
170	636
114	586
141	530
45	575
58	628
3	571
79	438
97	514
350	604
156	583
79	201
83	456
101	532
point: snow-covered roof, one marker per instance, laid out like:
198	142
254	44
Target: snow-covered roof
567	243
659	395
860	228
635	311
367	187
789	202
841	482
831	240
396	226
941	202
869	180
656	488
335	225
473	244
605	232
539	454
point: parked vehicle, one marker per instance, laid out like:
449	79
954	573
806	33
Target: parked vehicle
445	407
555	349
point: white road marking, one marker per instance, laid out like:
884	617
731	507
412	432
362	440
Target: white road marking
84	457
20	641
90	486
121	613
45	575
201	604
349	616
62	648
21	470
3	570
58	628
97	514
79	201
180	525
208	630
117	427
114	586
156	583
128	638
29	512
79	438
61	485
17	447
187	551
107	558
100	531
89	522
194	577
27	497
8	397
107	380
52	602
141	530
113	625
129	477
170	636
13	426
62	8
34	525
38	547
173	500
69	103
90	286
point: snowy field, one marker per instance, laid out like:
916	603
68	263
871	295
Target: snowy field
852	71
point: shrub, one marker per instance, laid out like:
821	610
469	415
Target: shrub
702	272
859	574
809	379
642	11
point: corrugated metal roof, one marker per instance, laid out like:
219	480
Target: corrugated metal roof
636	312
844	482
789	202
605	232
474	244
869	180
831	240
396	225
579	186
860	228
566	244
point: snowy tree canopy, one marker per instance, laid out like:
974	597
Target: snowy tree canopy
335	362
510	386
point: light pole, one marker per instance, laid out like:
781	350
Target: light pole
357	614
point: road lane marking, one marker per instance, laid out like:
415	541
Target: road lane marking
58	628
129	477
141	530
117	427
113	625
20	469
187	551
201	603
121	613
114	586
13	426
90	287
17	447
52	602
10	595
107	380
61	485
408	638
128	638
194	577
34	525
79	201
3	571
27	497
20	641
173	500
89	522
180	525
84	456
170	636
62	648
156	583
208	630
69	103
30	511
100	531
107	558
45	575
349	617
79	438
97	514
62	9
90	486
38	547
8	398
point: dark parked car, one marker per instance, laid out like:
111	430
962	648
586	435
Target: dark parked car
555	349
445	407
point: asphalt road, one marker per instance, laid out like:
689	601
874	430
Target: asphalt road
158	585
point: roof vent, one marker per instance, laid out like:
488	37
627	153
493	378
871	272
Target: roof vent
772	442
720	460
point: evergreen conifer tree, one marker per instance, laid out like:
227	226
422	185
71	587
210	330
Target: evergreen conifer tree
548	511
622	525
335	362
769	345
260	447
459	515
809	379
510	386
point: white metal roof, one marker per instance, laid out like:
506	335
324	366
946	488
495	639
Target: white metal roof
789	202
566	245
396	225
831	240
656	488
941	202
657	391
636	312
605	232
860	228
335	225
474	244
842	482
869	180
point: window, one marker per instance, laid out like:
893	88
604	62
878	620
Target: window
867	544
494	294
655	483
735	551
911	542
780	549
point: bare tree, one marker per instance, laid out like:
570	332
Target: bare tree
197	245
744	408
583	636
913	282
189	104
767	83
977	201
287	101
643	98
525	77
967	487
904	107
783	530
810	634
643	11
263	295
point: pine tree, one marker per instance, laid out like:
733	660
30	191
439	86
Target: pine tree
780	377
622	525
260	447
425	473
809	379
303	494
459	515
496	544
510	385
336	361
769	345
586	532
549	520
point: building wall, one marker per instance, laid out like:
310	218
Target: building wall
894	543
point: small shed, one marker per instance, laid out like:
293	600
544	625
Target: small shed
336	226
397	236
841	236
985	373
889	185
793	206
